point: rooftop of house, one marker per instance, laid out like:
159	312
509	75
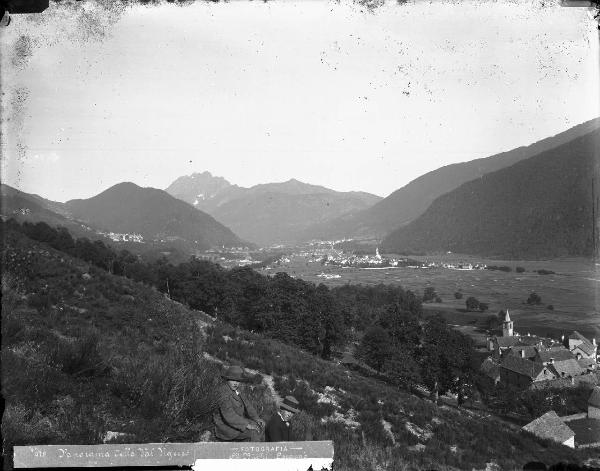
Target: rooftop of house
566	368
555	353
528	351
550	426
586	347
522	366
508	341
587	363
524	340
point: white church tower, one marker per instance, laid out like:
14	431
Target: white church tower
507	326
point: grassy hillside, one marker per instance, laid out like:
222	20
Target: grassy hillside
85	352
539	207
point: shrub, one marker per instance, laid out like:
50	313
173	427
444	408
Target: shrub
171	394
534	299
41	302
24	425
79	357
519	269
304	426
32	382
550	307
472	303
545	272
429	294
370	422
13	327
458	295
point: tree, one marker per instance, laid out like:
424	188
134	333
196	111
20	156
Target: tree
402	368
331	319
458	295
520	269
401	326
534	299
446	362
483	307
429	294
374	348
492	322
472	303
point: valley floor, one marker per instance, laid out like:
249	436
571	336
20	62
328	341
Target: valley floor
569	296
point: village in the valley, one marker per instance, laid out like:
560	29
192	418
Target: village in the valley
528	361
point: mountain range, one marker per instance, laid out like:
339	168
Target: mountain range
269	213
128	208
124	208
531	202
410	201
540	207
33	208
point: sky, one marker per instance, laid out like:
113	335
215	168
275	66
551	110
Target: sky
329	93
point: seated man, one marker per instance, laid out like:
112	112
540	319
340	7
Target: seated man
235	419
278	428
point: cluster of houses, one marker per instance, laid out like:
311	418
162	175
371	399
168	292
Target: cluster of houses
120	237
338	257
458	266
526	361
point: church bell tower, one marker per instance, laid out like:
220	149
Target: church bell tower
507	326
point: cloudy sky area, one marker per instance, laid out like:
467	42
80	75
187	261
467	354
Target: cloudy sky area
326	93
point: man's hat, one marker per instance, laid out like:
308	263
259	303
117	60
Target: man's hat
234	373
290	403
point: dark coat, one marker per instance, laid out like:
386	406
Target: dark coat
277	430
234	412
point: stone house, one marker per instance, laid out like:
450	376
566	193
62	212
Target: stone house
581	347
560	361
520	372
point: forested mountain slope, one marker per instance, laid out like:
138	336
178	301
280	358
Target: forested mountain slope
539	207
153	213
410	201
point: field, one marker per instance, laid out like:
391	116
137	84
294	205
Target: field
573	290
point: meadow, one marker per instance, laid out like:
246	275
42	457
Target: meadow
572	291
